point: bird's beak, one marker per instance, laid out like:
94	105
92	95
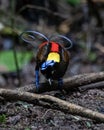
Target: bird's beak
50	81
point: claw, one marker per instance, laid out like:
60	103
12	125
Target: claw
60	96
50	81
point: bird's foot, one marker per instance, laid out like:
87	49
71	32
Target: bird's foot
37	86
60	95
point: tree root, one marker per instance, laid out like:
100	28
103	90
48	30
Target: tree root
51	102
72	83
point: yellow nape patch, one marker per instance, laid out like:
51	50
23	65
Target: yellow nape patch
54	56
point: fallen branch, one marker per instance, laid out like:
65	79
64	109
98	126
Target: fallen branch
71	83
51	102
98	85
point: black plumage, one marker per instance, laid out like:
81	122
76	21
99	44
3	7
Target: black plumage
58	70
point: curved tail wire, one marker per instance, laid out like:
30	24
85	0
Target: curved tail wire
31	37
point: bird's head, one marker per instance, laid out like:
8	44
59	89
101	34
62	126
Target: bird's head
47	68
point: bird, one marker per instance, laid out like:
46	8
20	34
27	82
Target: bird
52	59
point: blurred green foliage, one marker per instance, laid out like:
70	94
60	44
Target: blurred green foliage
7	31
7	59
73	2
92	56
27	129
2	118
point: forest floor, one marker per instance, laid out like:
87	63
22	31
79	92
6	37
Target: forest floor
23	116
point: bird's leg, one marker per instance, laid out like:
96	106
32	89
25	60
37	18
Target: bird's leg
37	78
60	83
60	87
